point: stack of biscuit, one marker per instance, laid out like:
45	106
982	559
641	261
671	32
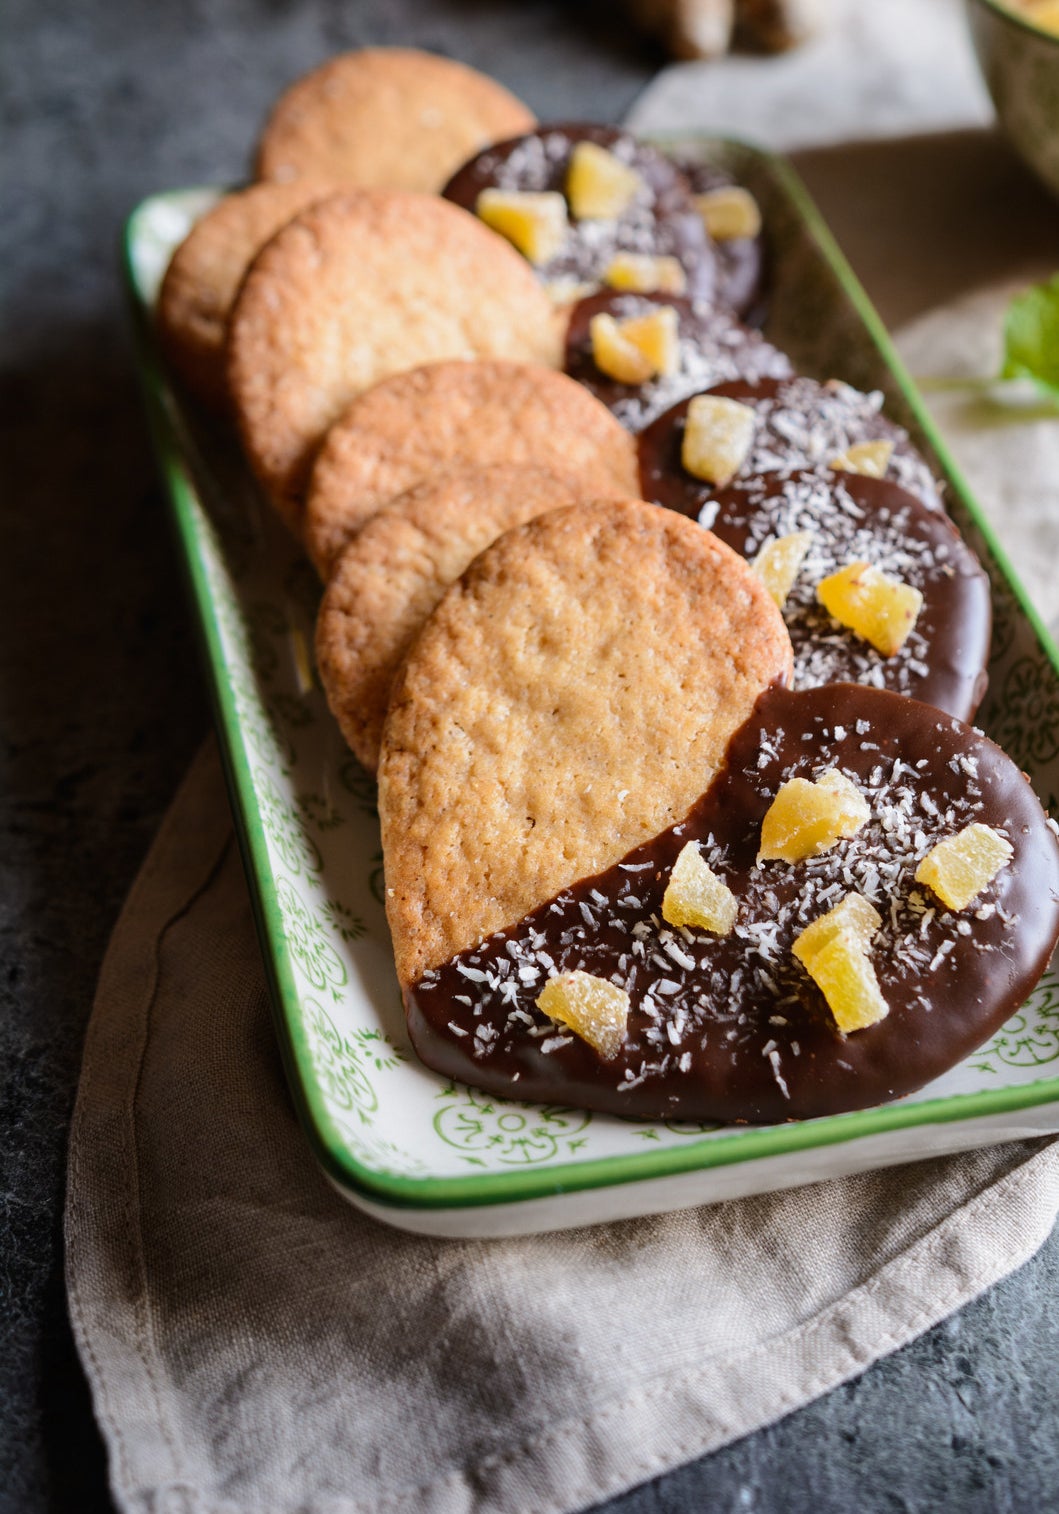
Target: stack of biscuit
562	607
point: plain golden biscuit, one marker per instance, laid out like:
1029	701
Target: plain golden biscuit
386	118
389	579
572	696
449	415
359	286
204	274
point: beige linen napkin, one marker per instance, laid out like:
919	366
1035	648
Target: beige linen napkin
255	1345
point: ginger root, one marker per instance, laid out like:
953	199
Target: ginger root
707	28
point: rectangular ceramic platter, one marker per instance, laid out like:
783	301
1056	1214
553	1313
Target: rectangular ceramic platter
393	1137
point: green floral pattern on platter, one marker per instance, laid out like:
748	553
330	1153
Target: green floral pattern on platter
502	1131
319	873
345	1064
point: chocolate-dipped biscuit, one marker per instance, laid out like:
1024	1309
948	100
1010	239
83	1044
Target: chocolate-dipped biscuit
714	347
660	221
732	1027
852	518
800	424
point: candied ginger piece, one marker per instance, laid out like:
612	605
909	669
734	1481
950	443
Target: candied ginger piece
834	952
1045	14
877	608
717	437
615	355
535	223
657	337
636	349
844	975
599	186
729	212
592	1008
696	896
870	458
779	563
959	868
853	917
807	817
640	273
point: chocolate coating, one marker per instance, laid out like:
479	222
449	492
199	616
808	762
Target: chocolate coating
661	220
742	262
801	424
858	519
732	1028
714	347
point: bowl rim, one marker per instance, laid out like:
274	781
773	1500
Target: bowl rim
1005	11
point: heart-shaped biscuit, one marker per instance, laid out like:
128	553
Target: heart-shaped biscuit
742	966
571	696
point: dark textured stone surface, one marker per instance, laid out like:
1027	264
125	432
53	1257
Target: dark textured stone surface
103	705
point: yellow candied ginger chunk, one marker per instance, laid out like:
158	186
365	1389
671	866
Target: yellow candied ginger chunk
834	952
959	868
729	212
869	458
641	273
877	608
779	563
592	1008
809	817
599	186
533	222
696	896
1043	13
657	335
718	434
853	917
635	350
844	975
614	354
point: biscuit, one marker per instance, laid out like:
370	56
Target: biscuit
450	415
388	580
359	286
204	274
386	118
729	1020
570	697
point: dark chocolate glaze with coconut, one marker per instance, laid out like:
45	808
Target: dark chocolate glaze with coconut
801	424
852	518
732	1028
713	346
661	221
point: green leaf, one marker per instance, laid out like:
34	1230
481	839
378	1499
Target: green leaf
1031	337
